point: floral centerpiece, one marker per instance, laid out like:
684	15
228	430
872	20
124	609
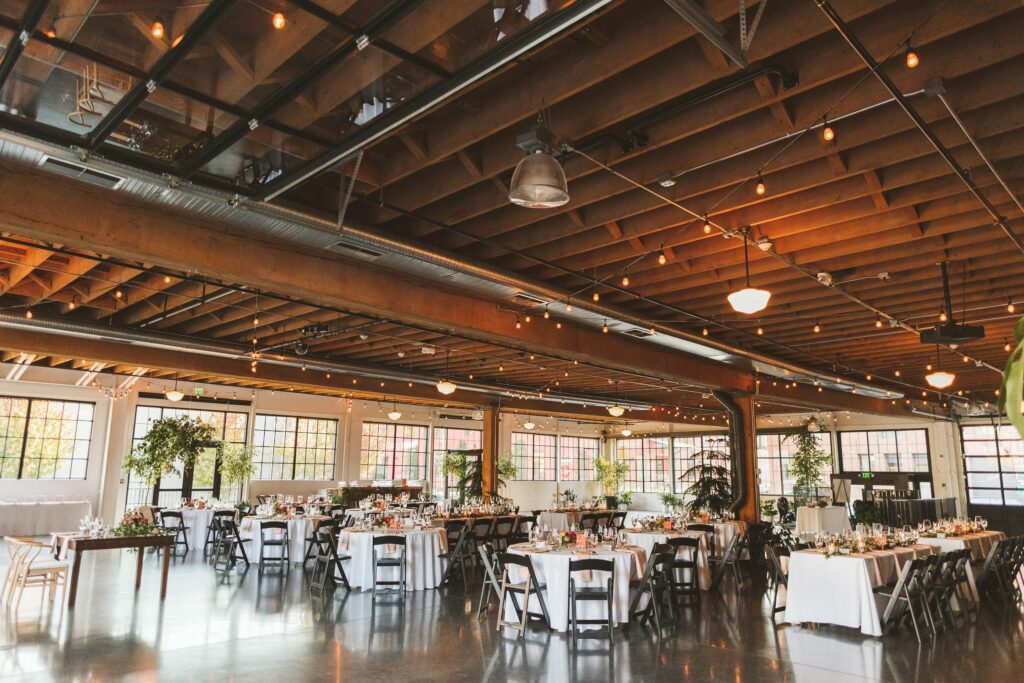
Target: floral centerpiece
567	538
281	509
654	523
135	524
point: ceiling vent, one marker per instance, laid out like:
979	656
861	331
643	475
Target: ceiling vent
360	252
637	332
524	298
70	169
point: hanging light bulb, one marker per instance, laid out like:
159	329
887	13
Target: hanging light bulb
568	306
817	327
897	373
28	313
760	188
1006	346
446	386
878	321
596	296
707	226
604	328
911	58
827	134
157	29
539	182
760	330
662	260
527	318
704	331
748	300
547	314
519	325
1010	308
625	279
278	21
943	317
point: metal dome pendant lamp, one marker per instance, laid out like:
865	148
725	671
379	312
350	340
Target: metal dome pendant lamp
539	180
748	300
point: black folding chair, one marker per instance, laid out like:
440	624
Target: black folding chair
327	567
393	559
504	528
211	531
780	579
457	536
524	525
683	575
524	588
656	586
590	594
274	534
229	546
173	521
328	525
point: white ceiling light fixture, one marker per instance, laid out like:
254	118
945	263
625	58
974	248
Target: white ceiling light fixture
940	379
174	394
626	431
812	425
444	385
616	410
395	414
539	180
748	300
529	425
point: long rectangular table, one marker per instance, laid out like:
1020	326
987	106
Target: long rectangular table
79	545
38	518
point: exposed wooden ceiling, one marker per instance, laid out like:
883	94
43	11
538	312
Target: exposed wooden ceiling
635	88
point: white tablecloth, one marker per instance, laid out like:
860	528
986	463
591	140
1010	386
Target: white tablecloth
299	528
197	521
840	589
552	568
833	519
648	539
980	544
557	521
40	518
423	566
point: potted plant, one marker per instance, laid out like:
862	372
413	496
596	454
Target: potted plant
625	498
611	474
807	464
465	466
671	502
711	490
236	464
170	441
1011	393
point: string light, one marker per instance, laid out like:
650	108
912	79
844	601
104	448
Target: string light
527	318
604	327
278	21
760	188
943	317
827	134
817	327
625	279
157	29
1010	308
704	332
1006	346
707	226
547	314
568	306
596	296
897	373
662	260
878	321
760	330
167	279
519	325
911	58
28	313
558	326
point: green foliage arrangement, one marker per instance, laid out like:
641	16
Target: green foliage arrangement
169	441
807	465
626	497
465	466
671	502
611	474
1011	393
236	464
711	489
135	524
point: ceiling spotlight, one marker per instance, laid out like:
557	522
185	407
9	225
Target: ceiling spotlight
748	300
760	188
278	21
667	180
911	58
539	180
616	410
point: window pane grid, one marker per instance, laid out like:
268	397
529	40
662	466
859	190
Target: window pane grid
393	451
892	450
44	439
993	465
774	454
685	450
534	456
451	439
576	458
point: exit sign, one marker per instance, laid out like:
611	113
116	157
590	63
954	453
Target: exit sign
199	391
865	475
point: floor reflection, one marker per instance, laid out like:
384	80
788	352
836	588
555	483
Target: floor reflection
239	624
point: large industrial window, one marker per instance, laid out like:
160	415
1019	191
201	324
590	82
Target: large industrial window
689	451
534	456
290	447
888	450
774	453
392	451
650	463
43	439
993	464
451	439
576	457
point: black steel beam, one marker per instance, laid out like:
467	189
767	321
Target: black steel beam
377	25
325	15
508	50
213	13
22	34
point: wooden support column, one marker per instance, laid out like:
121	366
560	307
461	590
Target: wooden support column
743	447
489	454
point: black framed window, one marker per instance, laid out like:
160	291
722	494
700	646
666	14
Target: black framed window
685	452
295	448
451	439
884	450
993	464
534	456
650	463
204	479
393	451
44	439
774	453
576	457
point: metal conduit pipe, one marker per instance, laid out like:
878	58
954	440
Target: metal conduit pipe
82	329
737	449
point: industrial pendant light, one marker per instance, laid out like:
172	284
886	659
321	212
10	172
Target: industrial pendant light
748	300
626	431
529	425
394	415
616	410
444	385
174	394
940	379
538	181
812	425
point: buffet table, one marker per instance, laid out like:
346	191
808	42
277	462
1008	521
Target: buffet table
423	566
980	543
38	518
840	589
552	568
811	520
351	495
558	520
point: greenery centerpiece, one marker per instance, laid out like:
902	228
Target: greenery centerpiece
134	523
611	474
710	489
807	465
465	466
671	502
170	441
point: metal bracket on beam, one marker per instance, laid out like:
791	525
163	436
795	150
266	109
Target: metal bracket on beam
697	16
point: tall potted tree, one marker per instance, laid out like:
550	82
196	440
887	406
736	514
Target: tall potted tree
465	467
611	474
711	487
1011	394
807	465
171	441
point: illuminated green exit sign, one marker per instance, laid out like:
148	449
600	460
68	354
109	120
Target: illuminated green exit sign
199	391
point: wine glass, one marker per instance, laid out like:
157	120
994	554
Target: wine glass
819	540
984	524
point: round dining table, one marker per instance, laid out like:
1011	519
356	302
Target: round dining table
423	566
300	528
648	539
552	568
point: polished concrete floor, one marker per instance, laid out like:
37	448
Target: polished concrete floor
241	627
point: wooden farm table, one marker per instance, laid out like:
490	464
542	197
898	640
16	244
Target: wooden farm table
80	545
